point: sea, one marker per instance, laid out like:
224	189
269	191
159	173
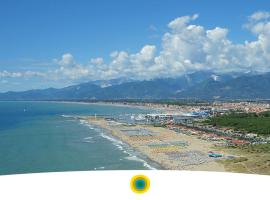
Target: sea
44	137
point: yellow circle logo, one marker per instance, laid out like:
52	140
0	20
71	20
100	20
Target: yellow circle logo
140	184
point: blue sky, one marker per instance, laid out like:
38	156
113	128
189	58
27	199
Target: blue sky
54	43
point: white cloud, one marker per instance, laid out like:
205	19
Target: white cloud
185	47
179	23
259	15
188	47
257	53
96	61
67	60
25	74
146	54
123	64
6	74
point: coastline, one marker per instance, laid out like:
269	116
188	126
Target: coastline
161	155
133	153
94	103
159	148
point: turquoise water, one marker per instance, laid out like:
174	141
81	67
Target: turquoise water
35	137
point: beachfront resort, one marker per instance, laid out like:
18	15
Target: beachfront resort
184	137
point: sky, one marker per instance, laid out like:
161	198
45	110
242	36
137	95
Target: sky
56	43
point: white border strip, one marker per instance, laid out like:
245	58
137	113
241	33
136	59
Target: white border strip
115	185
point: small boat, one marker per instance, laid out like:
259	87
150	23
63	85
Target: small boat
214	155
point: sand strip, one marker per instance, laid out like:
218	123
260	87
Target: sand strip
169	149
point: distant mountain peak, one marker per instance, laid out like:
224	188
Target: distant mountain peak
199	85
215	77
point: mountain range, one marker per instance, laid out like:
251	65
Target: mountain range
203	85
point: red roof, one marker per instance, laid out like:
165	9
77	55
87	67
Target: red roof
240	142
211	135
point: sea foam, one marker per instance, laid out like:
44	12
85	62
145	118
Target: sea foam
118	143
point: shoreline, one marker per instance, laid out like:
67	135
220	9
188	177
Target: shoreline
198	160
158	147
152	165
92	103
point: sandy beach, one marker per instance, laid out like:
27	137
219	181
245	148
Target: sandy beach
169	149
